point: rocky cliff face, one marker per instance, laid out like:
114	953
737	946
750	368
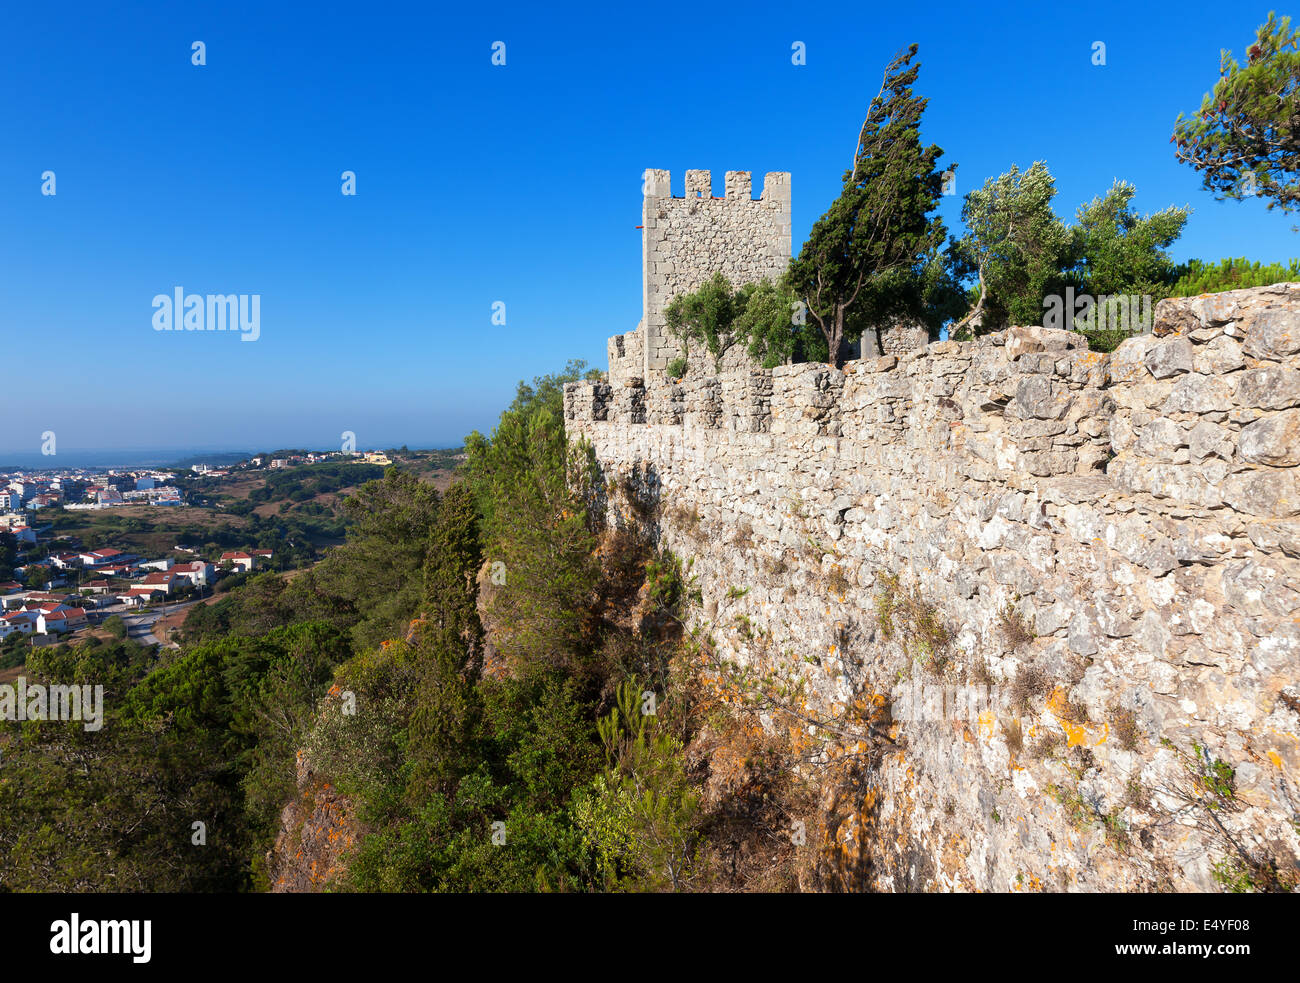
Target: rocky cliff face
317	829
1071	579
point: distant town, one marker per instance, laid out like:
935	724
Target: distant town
59	588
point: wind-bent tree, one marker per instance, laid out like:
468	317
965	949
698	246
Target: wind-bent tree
1119	252
859	267
1245	139
1015	246
1115	253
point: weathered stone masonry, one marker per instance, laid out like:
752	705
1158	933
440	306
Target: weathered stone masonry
1141	509
684	241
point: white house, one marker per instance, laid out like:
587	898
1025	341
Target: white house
164	581
64	619
244	561
23	621
197	572
97	558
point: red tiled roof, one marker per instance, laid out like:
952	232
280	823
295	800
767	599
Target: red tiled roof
65	615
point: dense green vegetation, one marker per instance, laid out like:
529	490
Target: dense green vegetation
368	587
1199	277
499	780
878	257
202	738
767	319
525	767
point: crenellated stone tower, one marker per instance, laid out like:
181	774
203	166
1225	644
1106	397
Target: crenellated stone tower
685	240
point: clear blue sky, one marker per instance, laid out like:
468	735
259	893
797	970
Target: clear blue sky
479	183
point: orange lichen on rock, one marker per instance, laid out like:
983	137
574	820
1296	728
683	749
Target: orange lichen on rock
316	832
1076	734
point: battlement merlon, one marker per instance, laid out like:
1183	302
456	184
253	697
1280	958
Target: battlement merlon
657	183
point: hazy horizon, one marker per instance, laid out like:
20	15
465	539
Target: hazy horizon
143	457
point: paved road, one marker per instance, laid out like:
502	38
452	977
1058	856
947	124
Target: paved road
139	627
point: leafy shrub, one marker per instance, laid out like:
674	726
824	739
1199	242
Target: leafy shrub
1218	777
705	317
667	582
638	819
532	487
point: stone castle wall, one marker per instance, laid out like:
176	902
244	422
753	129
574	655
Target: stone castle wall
1140	511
